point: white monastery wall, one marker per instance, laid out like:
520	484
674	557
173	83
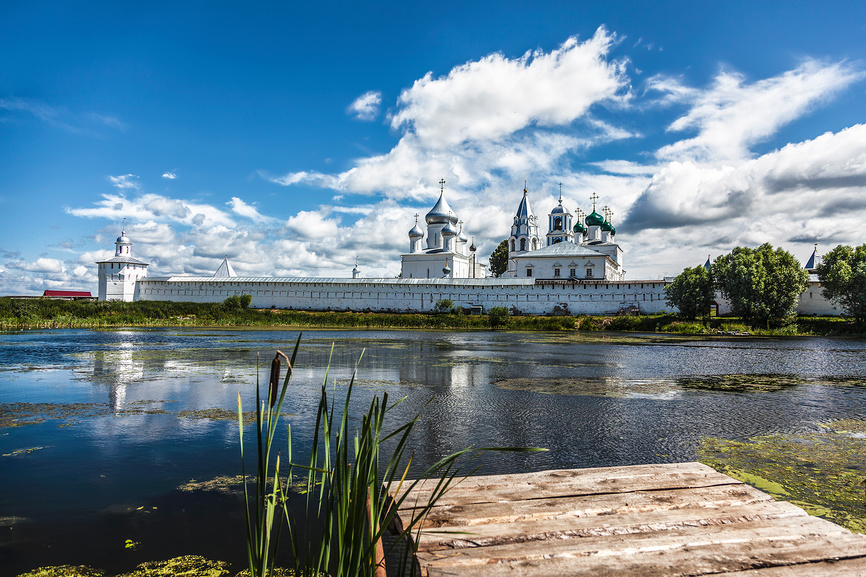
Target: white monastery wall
413	295
528	296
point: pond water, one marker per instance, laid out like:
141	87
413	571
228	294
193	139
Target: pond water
111	426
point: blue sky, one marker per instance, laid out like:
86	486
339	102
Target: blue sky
294	138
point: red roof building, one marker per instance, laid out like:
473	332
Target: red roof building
68	295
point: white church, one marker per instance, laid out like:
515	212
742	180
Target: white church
585	250
575	268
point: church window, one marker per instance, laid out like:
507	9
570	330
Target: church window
556	272
572	272
522	244
556	240
529	272
534	244
588	273
557	224
512	245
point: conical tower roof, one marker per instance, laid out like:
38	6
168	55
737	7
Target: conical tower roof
524	209
225	270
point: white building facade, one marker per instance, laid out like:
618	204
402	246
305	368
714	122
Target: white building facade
580	252
448	252
118	276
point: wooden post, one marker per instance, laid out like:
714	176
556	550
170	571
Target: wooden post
380	549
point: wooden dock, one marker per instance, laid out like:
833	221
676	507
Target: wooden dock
644	520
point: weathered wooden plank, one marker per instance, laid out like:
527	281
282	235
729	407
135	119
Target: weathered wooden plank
469	514
572	482
729	559
782	534
692	559
841	568
645	520
559	528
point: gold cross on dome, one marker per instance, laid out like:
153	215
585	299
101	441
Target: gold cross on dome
593	198
442	185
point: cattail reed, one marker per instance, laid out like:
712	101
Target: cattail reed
275	379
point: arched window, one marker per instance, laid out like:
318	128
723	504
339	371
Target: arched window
557	223
512	245
534	244
522	244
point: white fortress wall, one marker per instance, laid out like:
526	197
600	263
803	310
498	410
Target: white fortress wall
417	295
813	302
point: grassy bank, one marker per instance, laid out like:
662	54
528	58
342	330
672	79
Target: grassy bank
16	314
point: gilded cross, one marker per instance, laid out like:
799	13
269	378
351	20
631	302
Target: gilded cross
442	185
593	198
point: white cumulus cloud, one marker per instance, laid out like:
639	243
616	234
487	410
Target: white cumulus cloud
125	182
366	106
496	96
732	115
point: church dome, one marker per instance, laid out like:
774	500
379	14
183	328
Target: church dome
440	212
579	228
607	227
123	239
461	236
594	219
448	229
416	232
557	210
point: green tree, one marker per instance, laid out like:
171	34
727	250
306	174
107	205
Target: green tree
499	259
762	284
498	317
691	293
843	279
444	306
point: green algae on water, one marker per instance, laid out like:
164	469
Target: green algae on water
595	387
741	383
822	472
187	565
216	414
64	571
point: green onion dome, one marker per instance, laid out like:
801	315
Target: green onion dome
579	228
594	219
606	226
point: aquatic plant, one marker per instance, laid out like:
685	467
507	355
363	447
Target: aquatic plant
348	501
260	513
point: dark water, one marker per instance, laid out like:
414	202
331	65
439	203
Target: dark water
108	467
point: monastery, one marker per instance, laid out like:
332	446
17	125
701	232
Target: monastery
575	268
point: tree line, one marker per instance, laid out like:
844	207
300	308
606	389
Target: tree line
764	284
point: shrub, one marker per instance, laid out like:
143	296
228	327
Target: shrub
498	317
444	306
